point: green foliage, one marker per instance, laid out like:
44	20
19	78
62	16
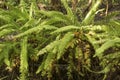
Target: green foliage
24	60
54	38
91	14
107	45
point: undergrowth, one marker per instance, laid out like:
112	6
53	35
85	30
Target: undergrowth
51	44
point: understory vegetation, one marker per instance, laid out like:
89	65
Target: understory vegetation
59	40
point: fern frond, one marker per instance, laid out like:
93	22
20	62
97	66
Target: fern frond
23	59
18	13
51	49
65	28
64	43
105	70
56	16
106	45
5	32
92	41
58	47
48	48
115	55
4	54
35	29
46	65
14	13
6	18
28	24
72	18
41	67
114	28
69	11
91	14
52	13
5	26
53	20
95	28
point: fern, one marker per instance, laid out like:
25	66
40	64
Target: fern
28	24
5	32
6	18
37	28
53	20
65	29
5	52
64	43
113	28
106	45
111	56
48	48
5	26
46	65
24	60
55	17
91	14
69	11
52	13
54	49
59	17
6	55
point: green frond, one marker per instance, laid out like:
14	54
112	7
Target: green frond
66	28
5	26
115	55
105	70
95	28
69	11
92	41
114	28
53	20
4	53
46	65
49	60
24	59
51	51
16	11
35	29
5	32
91	14
40	68
6	18
105	46
72	19
64	43
58	47
48	48
55	16
28	24
52	13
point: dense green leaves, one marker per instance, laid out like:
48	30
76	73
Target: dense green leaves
82	45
